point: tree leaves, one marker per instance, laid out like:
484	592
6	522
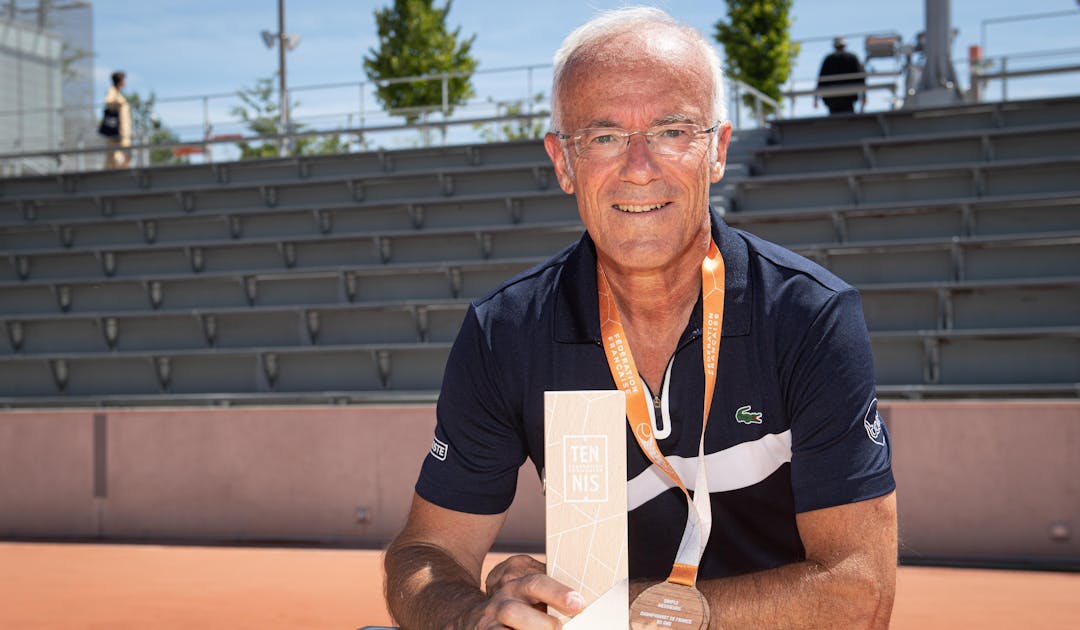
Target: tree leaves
757	43
148	129
414	41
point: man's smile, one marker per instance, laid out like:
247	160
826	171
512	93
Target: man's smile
638	208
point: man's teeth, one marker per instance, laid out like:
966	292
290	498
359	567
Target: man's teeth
629	208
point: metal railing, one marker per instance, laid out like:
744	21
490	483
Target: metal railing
758	101
1006	68
859	89
208	128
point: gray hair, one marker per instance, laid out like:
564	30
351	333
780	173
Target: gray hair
621	20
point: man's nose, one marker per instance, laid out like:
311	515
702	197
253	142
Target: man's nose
640	165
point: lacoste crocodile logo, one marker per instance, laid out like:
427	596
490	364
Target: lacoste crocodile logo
745	416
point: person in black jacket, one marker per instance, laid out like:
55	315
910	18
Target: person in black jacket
840	64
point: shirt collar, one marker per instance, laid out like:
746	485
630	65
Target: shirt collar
577	314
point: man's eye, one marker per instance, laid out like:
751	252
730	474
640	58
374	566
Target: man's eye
671	133
606	138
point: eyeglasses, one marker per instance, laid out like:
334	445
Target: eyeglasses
609	142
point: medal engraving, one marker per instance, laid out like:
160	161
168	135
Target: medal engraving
668	605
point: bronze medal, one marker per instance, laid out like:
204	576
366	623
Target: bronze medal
669	605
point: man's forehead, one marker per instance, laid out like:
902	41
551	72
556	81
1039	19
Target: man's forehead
648	75
630	57
650	48
608	96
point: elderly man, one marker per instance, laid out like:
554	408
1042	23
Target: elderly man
802	496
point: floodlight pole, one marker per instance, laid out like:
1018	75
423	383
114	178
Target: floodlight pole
937	84
283	91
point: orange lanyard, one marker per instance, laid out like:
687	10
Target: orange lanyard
625	373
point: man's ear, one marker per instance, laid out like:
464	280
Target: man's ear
723	139
559	156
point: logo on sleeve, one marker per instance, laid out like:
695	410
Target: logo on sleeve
439	449
875	429
745	416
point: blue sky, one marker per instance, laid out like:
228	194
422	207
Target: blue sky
179	48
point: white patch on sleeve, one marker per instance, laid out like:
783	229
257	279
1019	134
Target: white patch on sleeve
875	430
439	449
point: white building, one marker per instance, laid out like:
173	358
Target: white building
46	70
31	97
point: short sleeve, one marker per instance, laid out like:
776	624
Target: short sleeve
841	451
478	445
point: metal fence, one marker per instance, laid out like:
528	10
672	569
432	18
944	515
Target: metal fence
514	104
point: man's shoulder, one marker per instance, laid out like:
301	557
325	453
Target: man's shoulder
528	290
776	262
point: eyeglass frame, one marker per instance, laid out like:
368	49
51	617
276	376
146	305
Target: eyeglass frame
623	133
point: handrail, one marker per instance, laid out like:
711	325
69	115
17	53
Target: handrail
96	105
846	89
760	98
271	138
842	90
213	132
356	121
1030	72
857	75
981	73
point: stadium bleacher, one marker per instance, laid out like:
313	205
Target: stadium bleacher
343	278
959	225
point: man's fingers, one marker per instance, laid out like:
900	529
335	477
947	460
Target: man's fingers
514	613
520	592
522	604
513	568
573	603
539	588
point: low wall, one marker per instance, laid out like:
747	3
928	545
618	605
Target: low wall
977	481
311	474
987	481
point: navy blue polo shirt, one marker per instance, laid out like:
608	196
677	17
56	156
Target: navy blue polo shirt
793	425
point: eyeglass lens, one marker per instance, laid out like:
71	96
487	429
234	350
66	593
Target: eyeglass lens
610	142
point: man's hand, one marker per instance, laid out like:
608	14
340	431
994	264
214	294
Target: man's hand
519	592
433	574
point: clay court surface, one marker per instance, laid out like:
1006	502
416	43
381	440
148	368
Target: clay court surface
99	586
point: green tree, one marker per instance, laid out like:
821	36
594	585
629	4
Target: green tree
757	43
147	128
327	144
414	41
261	112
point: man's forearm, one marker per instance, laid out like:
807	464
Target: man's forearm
427	590
801	595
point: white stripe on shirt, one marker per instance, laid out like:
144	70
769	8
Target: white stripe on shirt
737	467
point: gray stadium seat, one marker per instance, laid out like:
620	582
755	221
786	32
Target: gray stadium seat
941	120
916	186
345	278
916	151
